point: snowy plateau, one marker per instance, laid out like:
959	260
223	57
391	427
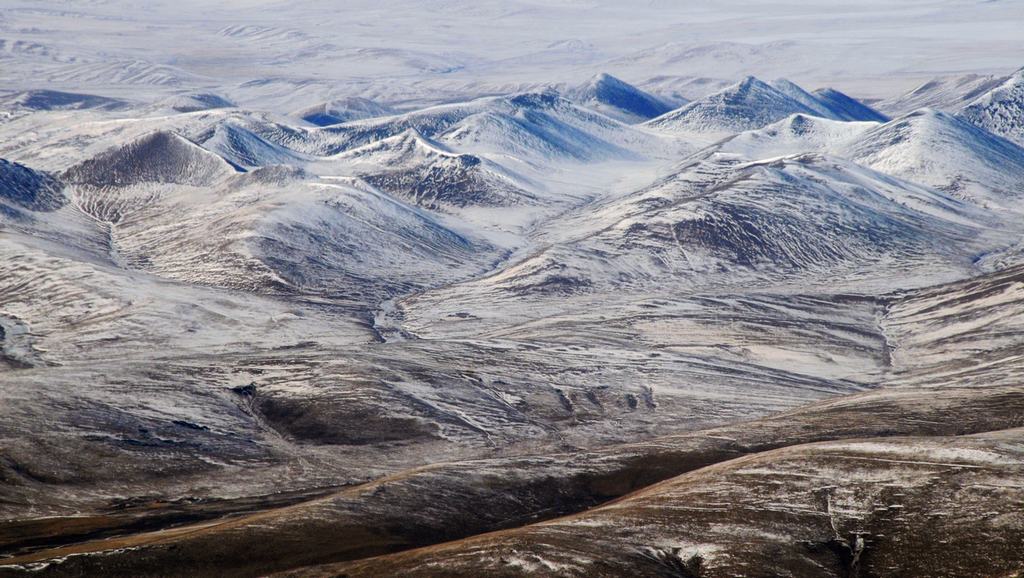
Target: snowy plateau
473	288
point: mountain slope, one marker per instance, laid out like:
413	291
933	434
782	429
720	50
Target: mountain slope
278	230
752	104
159	157
806	216
342	110
534	127
194	102
947	94
941	150
749	104
59	100
719	225
843	107
40	205
235	141
617	99
515	487
1001	110
797	93
423	172
29	189
799	133
828	509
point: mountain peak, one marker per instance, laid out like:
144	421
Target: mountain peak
160	156
797	133
944	151
618	99
752	103
750	83
926	112
746	88
845	107
402	148
748	104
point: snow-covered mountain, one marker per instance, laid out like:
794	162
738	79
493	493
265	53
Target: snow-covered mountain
799	133
24	188
617	99
425	173
274	229
342	110
843	107
948	94
159	157
193	102
772	218
720	224
1001	110
806	99
752	104
238	141
944	151
535	127
59	100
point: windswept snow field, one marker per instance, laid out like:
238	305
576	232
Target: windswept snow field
494	288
